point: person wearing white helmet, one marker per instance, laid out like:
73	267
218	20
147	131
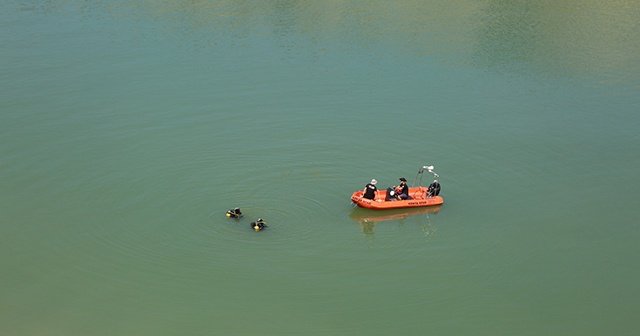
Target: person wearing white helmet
370	189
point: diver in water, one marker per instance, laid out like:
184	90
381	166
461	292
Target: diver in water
259	224
234	213
434	189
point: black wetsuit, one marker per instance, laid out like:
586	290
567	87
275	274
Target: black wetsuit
258	225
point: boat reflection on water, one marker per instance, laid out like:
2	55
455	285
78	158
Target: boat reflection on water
368	218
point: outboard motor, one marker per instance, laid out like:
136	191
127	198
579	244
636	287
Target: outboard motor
434	189
391	194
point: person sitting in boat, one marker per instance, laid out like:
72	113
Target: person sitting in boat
370	189
259	224
402	191
434	189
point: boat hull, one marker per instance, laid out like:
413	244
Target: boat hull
418	198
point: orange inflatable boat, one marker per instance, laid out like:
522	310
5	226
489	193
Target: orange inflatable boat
418	196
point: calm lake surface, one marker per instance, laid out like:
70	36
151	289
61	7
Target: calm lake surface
128	128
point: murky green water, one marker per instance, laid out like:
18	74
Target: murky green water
128	128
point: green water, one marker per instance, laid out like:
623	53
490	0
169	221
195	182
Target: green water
128	128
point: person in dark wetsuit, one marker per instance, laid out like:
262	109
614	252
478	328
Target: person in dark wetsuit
434	189
234	213
370	190
402	191
259	225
